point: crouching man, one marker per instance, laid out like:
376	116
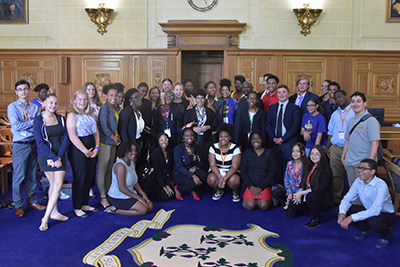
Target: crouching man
376	213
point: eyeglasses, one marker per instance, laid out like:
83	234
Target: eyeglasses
23	89
363	168
312	105
168	96
238	83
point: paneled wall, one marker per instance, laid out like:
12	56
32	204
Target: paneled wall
376	73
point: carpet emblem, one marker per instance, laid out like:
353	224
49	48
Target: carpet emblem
212	246
97	257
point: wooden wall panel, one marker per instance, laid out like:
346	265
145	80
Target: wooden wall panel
376	73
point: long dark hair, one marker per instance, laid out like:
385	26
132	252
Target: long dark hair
322	164
319	109
303	158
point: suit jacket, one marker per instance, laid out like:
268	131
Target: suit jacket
291	121
242	127
327	109
145	109
183	162
127	124
173	121
190	115
307	97
162	169
107	124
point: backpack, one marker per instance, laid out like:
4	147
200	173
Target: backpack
380	147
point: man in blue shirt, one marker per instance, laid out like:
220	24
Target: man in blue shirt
376	213
21	114
336	137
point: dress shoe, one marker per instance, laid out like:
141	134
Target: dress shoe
82	216
35	206
313	223
93	210
19	212
384	242
364	234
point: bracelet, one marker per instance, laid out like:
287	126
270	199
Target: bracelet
96	147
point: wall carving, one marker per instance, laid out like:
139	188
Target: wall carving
385	84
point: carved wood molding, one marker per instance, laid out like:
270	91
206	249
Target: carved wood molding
202	33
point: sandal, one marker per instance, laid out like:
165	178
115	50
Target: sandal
217	195
110	209
59	217
43	226
236	198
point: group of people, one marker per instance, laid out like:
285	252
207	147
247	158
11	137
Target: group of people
266	147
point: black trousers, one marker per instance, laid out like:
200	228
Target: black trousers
158	193
83	170
185	184
314	203
380	223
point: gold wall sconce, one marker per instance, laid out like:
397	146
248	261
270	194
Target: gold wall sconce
306	17
100	16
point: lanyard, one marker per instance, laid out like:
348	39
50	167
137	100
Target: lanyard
29	111
340	113
223	157
309	175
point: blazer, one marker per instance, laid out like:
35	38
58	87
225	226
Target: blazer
190	115
162	169
107	124
291	121
173	121
307	97
127	124
327	108
242	127
183	162
219	106
324	184
145	109
42	139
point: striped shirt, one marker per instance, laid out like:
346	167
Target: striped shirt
225	161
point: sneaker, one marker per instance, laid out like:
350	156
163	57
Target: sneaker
64	196
313	223
364	234
384	242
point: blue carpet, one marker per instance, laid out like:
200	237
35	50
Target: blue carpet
67	243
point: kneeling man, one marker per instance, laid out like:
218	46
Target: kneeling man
377	213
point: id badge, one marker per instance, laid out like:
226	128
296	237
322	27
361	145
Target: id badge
226	120
223	172
168	132
341	134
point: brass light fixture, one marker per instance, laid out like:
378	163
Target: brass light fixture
306	17
100	16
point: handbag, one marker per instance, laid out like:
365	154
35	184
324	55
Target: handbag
146	176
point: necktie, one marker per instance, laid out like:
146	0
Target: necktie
300	100
332	105
279	125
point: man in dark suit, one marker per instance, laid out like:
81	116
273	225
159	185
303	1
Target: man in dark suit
330	105
283	127
303	95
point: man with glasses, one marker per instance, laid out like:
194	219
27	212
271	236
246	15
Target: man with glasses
21	114
336	137
330	105
376	213
362	137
